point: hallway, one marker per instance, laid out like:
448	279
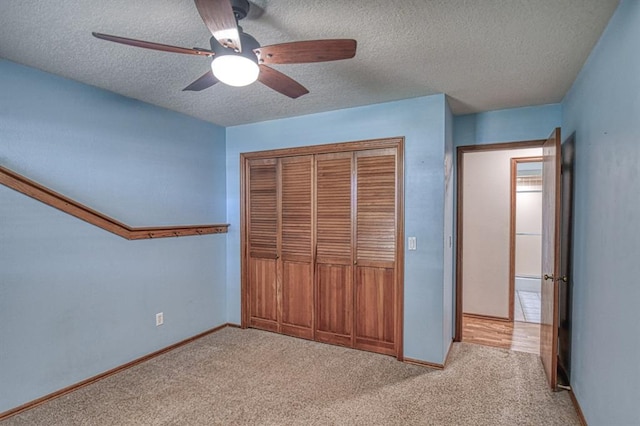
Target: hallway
517	336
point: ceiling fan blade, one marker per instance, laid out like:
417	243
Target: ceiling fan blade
218	16
280	82
204	82
300	52
154	46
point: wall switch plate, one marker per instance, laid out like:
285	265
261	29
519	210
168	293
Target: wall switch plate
159	319
413	244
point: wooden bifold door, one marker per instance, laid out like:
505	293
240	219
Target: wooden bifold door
280	245
322	243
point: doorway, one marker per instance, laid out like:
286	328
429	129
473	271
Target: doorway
486	247
526	237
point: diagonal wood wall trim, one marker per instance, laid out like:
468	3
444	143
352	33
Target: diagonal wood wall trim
41	193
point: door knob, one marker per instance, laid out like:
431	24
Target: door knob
550	277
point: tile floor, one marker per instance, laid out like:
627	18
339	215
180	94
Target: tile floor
527	306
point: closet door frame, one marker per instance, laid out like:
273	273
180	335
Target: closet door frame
396	143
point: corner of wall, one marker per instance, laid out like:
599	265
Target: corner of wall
448	300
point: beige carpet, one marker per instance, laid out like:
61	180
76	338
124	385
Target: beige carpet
251	377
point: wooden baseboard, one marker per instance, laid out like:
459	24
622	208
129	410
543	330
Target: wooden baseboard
424	363
487	317
71	388
581	417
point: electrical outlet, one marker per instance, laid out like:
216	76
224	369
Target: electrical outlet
413	244
159	319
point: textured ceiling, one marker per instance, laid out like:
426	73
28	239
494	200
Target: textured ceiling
484	54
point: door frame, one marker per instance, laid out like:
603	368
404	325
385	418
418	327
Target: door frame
567	178
460	152
392	142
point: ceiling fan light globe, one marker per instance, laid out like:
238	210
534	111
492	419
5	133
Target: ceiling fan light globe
235	70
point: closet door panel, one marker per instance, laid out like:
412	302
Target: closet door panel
334	304
297	299
296	250
375	295
262	243
262	281
334	313
375	309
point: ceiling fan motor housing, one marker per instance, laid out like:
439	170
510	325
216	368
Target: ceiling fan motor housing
246	40
240	8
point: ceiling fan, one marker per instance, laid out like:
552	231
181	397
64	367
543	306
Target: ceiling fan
238	59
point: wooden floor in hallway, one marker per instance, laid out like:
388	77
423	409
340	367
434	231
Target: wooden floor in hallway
517	336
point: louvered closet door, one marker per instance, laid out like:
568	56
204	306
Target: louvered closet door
262	244
296	252
334	283
375	246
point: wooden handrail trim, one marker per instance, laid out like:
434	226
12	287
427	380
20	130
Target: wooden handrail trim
56	200
164	232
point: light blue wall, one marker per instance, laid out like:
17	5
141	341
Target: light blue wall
422	122
507	125
75	300
603	110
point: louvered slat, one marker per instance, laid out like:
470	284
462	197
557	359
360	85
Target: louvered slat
376	208
334	206
296	206
263	214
